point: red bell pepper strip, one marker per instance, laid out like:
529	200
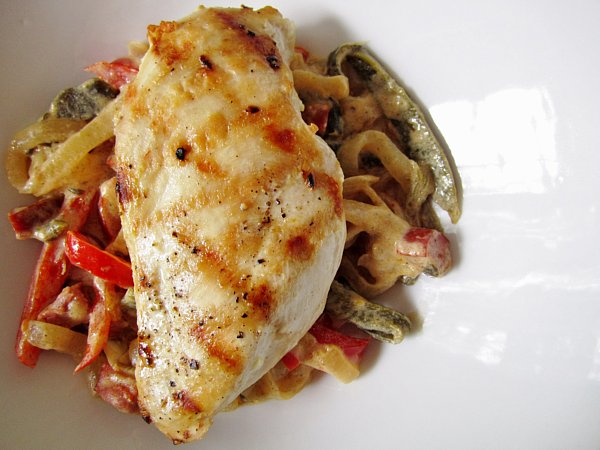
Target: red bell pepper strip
317	113
48	279
25	220
76	208
32	221
117	388
352	347
85	255
98	329
117	73
290	361
429	245
50	273
323	332
69	309
303	52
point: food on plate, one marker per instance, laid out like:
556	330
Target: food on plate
197	200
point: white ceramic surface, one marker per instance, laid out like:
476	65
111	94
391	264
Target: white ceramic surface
509	353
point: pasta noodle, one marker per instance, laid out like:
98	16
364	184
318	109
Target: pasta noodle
335	87
414	182
371	263
279	383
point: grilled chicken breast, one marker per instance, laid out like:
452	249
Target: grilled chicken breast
231	210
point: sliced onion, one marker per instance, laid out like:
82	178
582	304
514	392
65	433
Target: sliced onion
43	132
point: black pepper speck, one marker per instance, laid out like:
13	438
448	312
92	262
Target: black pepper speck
206	63
273	62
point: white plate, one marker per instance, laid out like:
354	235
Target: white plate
509	352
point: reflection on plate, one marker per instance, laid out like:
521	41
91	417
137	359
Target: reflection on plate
509	352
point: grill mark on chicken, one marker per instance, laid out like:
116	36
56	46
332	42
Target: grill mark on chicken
263	45
217	130
208	167
299	247
259	298
164	43
145	351
285	139
207	331
298	143
185	154
186	401
332	188
130	93
122	187
224	353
